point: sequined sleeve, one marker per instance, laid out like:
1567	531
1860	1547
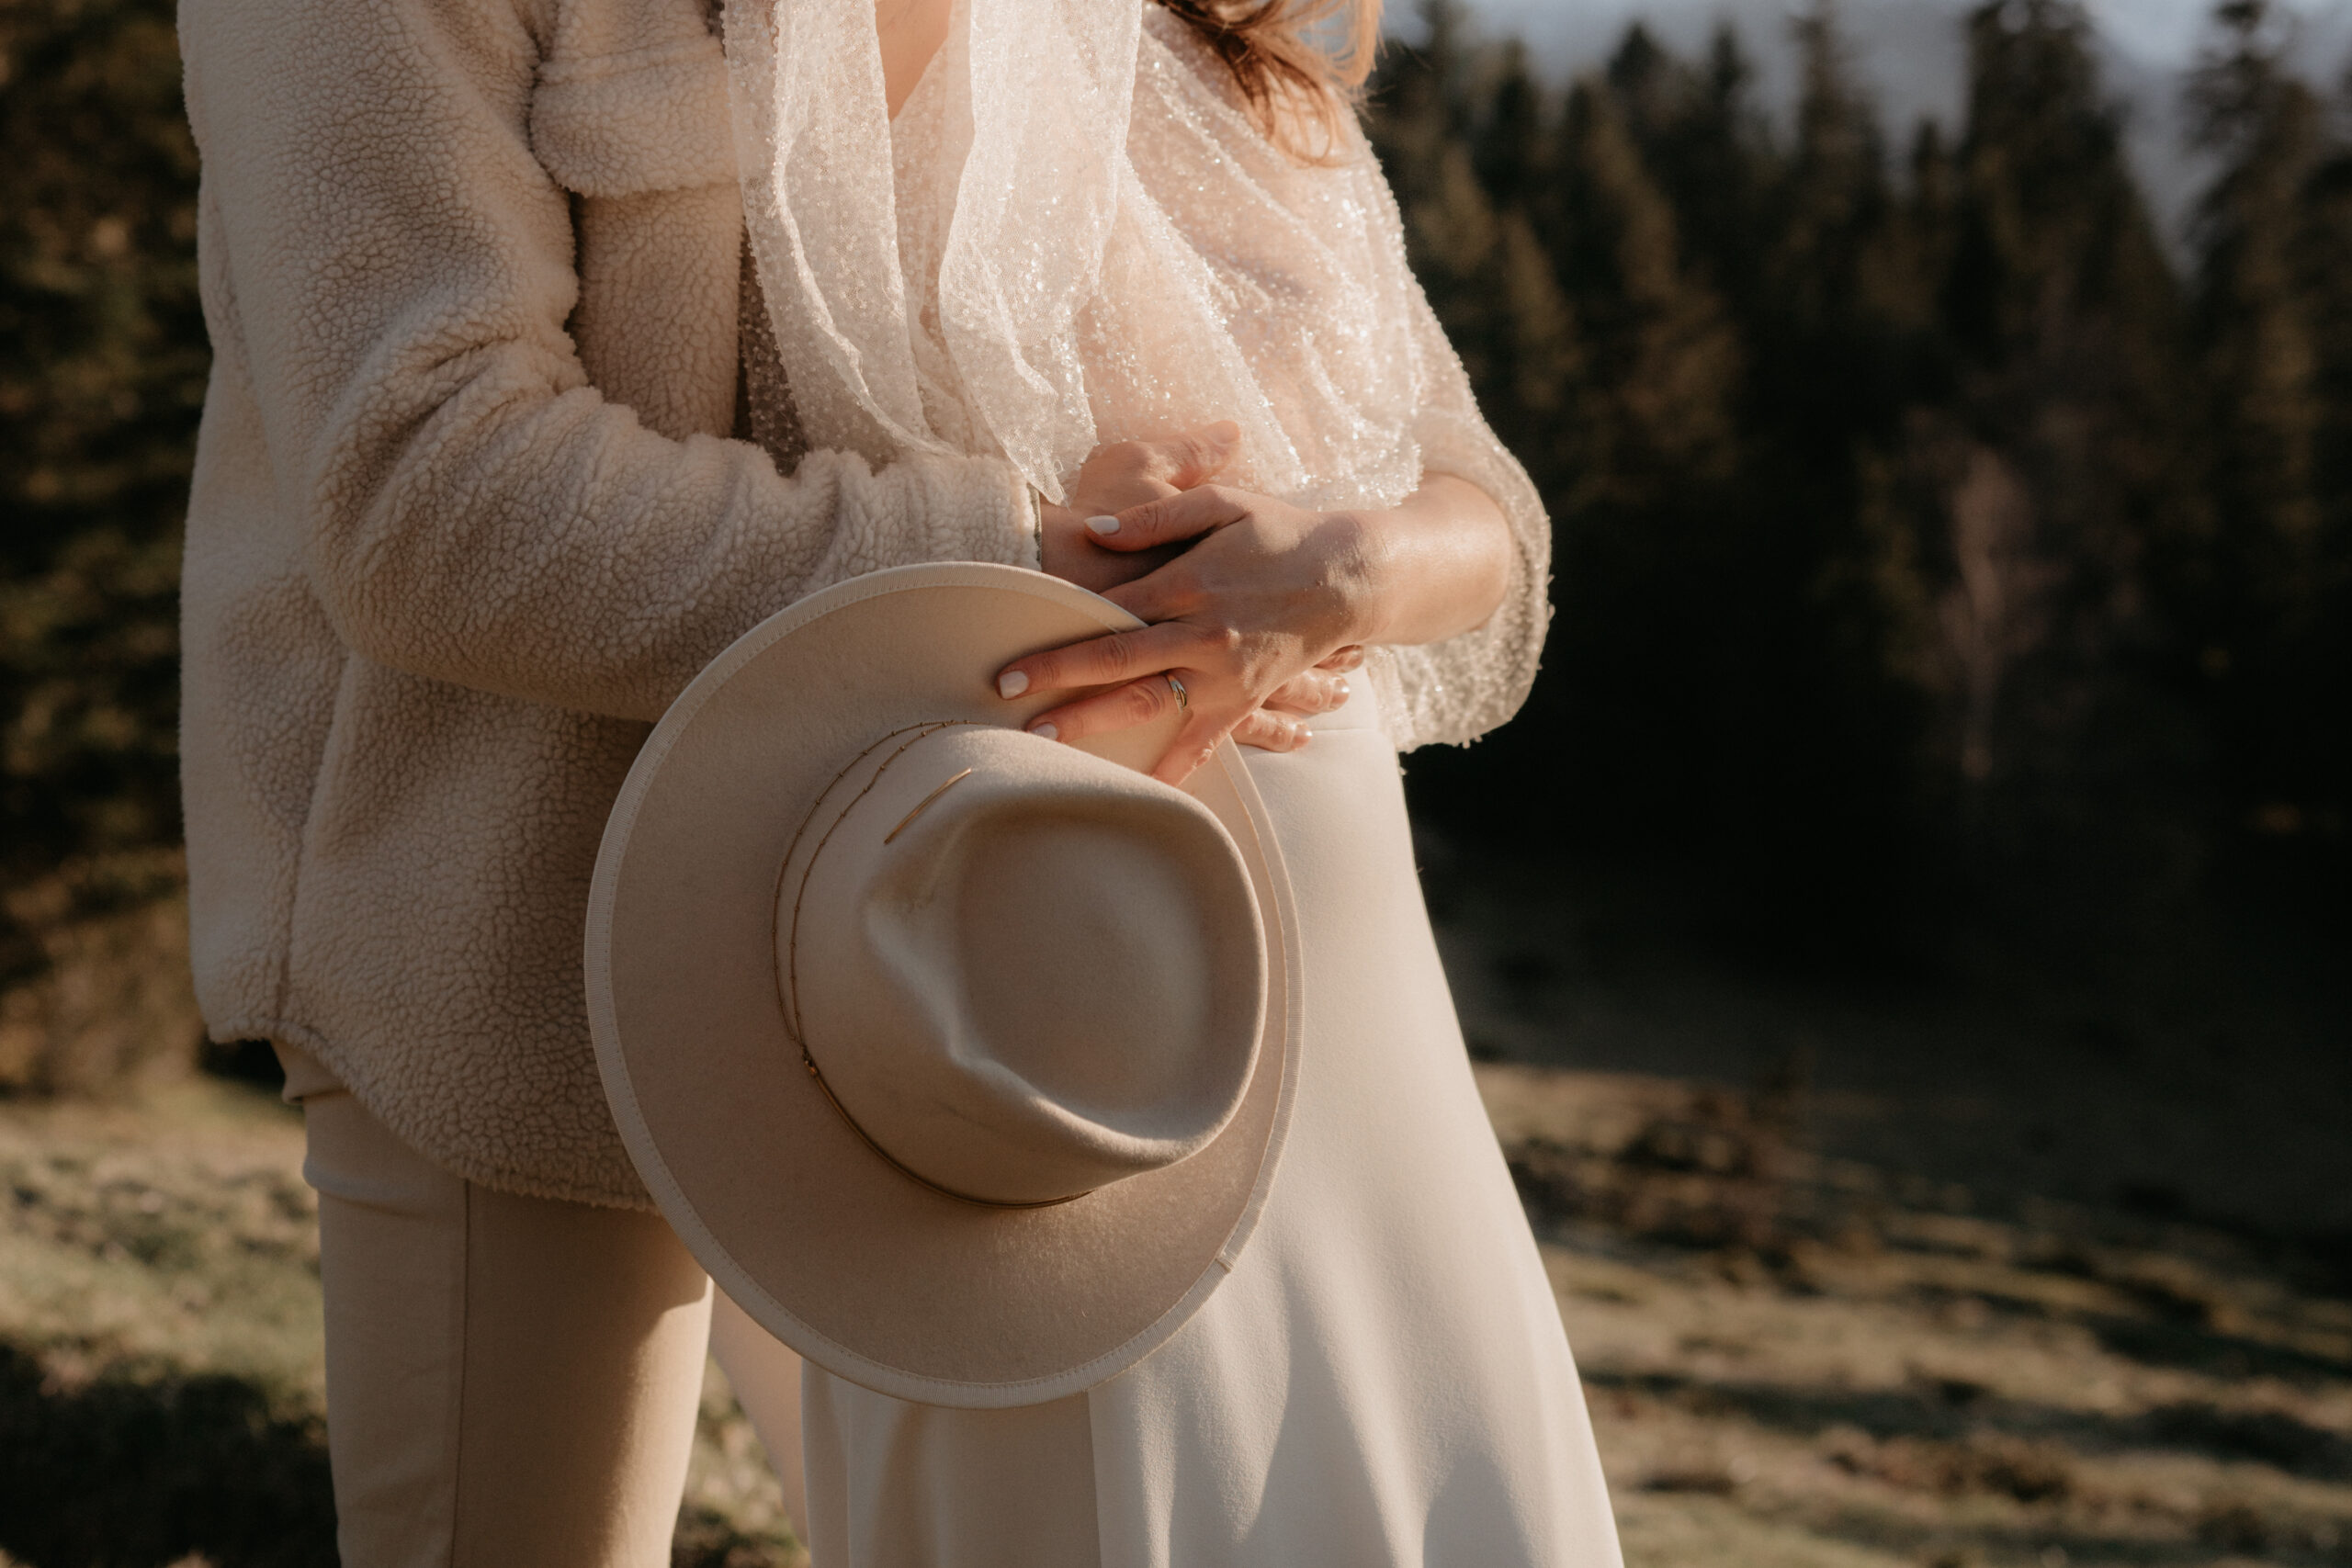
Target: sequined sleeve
1457	690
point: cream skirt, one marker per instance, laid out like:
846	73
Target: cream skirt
1383	1381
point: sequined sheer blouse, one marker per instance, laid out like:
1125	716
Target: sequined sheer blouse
1238	283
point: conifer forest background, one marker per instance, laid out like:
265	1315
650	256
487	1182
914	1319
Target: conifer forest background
1950	676
1934	541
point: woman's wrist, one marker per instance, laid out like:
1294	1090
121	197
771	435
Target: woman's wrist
1434	566
1369	577
1362	570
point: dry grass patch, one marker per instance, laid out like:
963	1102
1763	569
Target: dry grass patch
161	1361
1791	1355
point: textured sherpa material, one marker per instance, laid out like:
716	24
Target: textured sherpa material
464	521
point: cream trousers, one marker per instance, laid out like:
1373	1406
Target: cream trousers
512	1383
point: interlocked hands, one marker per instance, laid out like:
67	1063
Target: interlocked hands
1259	608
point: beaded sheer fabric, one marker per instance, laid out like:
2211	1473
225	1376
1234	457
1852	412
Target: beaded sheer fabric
1073	234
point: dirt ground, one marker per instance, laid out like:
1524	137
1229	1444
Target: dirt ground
1853	1278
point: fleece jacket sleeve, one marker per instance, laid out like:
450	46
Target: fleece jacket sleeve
397	279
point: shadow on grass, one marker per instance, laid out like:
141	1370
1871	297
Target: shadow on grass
1965	1450
122	1473
709	1538
2268	1437
2187	1348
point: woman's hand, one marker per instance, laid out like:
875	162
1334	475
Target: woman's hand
1126	473
1115	477
1265	611
1265	592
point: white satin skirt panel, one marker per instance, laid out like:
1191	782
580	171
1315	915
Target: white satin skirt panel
1383	1379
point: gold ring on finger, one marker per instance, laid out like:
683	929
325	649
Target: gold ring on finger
1183	699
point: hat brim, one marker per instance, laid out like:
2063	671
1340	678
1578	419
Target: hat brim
845	1259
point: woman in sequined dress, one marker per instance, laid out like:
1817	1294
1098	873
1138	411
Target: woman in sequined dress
1383	1378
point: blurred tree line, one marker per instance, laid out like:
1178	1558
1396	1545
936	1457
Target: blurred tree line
102	367
1926	538
1931	544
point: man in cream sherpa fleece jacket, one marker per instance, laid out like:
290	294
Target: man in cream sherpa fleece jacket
464	521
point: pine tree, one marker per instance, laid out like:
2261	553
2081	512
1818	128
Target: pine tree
2257	596
2069	455
2325	261
1829	388
1837	201
1711	150
1660	340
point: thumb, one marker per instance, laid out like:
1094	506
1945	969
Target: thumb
1197	454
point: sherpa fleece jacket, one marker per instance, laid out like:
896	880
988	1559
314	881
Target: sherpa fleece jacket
464	519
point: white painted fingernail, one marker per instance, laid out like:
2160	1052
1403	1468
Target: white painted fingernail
1103	524
1044	732
1012	683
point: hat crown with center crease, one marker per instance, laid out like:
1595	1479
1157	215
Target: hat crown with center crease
1024	973
962	1059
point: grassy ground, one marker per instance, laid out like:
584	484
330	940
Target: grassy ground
1853	1281
2017	1267
1796	1360
160	1356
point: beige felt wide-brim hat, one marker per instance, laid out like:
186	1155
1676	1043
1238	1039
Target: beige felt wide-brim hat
960	1058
